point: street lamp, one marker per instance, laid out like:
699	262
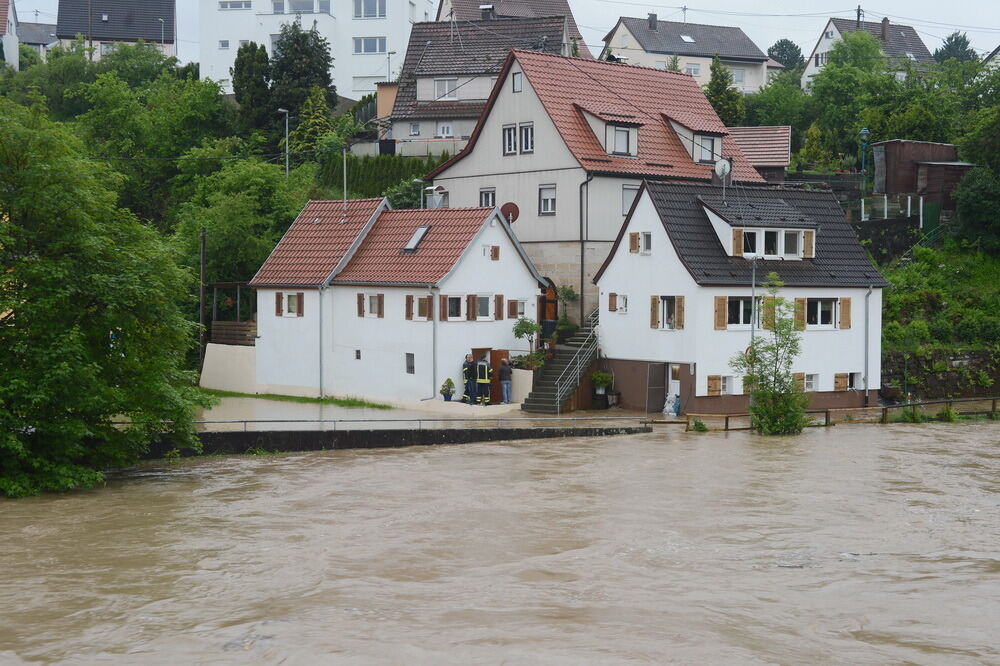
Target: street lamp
162	40
420	181
285	111
388	65
864	134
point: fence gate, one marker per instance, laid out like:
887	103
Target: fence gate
656	386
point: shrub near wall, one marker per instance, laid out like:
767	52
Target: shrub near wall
371	176
942	373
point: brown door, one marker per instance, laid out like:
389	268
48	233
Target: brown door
477	354
496	393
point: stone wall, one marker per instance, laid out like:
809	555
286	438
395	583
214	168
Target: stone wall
888	239
937	373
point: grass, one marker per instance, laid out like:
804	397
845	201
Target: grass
340	402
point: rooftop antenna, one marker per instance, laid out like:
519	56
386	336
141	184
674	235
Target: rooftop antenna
722	170
861	15
684	9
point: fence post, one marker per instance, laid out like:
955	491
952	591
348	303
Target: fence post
885	415
827	418
994	409
687	421
727	422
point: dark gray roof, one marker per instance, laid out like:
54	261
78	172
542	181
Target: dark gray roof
36	33
709	40
902	39
468	10
470	48
742	211
840	260
128	20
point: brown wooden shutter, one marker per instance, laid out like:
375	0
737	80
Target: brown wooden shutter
770	312
498	305
715	384
409	306
612	302
511	309
633	241
721	313
800	314
301	298
737	242
654	311
470	307
840	381
430	307
679	312
809	245
361	305
845	313
495	252
279	304
443	314
381	306
800	380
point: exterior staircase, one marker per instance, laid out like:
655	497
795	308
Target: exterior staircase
560	375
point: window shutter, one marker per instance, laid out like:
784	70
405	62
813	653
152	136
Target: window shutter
800	314
737	242
679	312
494	252
430	307
715	384
633	242
612	302
800	381
840	381
470	307
279	304
809	245
381	306
409	306
361	305
443	314
721	313
512	309
769	313
498	303
845	313
301	298
654	311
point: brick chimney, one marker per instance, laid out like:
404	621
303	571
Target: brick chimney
652	22
885	29
487	12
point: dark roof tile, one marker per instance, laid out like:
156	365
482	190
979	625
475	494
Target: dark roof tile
709	40
128	20
902	39
468	10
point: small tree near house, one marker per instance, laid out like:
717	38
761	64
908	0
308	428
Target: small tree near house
777	400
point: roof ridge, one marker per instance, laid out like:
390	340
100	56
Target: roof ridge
603	62
704	25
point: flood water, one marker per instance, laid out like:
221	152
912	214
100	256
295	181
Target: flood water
854	544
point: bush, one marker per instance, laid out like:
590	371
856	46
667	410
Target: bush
698	426
948	415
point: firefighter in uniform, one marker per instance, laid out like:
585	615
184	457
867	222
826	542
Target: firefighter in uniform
469	380
484	373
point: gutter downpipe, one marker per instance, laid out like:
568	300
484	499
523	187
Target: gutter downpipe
434	343
322	287
867	326
583	245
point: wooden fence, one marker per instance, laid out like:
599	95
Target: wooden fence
234	333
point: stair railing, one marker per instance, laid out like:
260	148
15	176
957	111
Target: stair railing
569	379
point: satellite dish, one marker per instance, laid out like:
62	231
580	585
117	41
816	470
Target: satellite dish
510	211
722	168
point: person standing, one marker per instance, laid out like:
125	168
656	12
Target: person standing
469	379
484	373
506	375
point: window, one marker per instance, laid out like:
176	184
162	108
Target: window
482	307
278	6
687	38
527	138
749	242
770	243
791	248
706	148
413	12
646	239
369	44
492	251
661	64
488	197
520	307
622	305
234	4
454	307
819	312
444	130
324	6
828	34
274	41
423	307
622	141
547	200
291	305
515	81
418	235
357	354
410	364
629	193
811	383
301	6
414	129
855	381
726	385
509	139
223	43
372	310
738	76
244	42
107	48
740	311
369	8
668	312
910	56
692	68
445	88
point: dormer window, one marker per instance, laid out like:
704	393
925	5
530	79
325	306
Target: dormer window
776	243
415	239
706	149
687	38
621	141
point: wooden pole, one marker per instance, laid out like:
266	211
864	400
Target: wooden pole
201	298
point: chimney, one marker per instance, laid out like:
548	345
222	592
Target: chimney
885	29
652	22
487	12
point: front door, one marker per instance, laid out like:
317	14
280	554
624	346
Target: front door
674	379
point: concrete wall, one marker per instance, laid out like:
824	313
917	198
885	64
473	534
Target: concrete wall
430	130
230	368
408	148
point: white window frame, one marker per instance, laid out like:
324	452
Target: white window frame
629	193
414	129
444	130
442	91
645	242
312	7
661	64
526	137
692	68
687	39
742	324
488	300
488	197
244	42
421	301
810	383
229	5
747	235
378	7
361	43
777	243
107	48
819	326
546	205
797	254
371	305
726	385
461	309
291	305
517	82
413	12
742	77
706	153
622	304
509	139
618	134
223	44
277	6
668	313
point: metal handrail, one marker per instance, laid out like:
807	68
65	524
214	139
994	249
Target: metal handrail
581	359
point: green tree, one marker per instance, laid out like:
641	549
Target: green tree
978	199
139	64
301	61
779	103
981	141
674	64
813	151
725	99
90	327
956	45
406	194
27	57
59	80
313	124
251	74
777	401
787	53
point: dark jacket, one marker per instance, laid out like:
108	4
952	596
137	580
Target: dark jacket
506	372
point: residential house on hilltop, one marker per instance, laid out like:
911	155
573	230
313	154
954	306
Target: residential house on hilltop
472	10
105	23
677	305
901	43
769	149
650	42
38	36
368	301
563	145
993	59
449	72
8	34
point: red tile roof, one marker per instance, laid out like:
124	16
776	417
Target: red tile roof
565	85
4	9
315	243
765	146
380	258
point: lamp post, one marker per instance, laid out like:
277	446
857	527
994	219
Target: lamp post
388	65
420	181
864	134
285	111
162	39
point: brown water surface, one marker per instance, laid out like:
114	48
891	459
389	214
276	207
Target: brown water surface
852	545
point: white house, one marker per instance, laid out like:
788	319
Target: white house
106	23
677	305
563	145
367	37
385	304
8	34
650	42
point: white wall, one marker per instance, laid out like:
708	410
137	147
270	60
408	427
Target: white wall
9	42
461	129
822	46
230	368
287	346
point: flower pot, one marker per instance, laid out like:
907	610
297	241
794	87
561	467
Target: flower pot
447	397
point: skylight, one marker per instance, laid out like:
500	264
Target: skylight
688	38
415	239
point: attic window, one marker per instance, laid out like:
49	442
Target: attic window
104	17
910	56
688	38
415	239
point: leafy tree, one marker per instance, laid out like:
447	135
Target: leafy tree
813	151
777	401
139	64
978	198
90	328
787	53
674	64
314	123
956	45
779	104
406	194
726	100
981	142
301	61
27	57
251	74
58	80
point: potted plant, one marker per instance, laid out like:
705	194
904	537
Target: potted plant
526	328
447	389
602	381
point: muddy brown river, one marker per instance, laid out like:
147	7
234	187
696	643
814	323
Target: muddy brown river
848	545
